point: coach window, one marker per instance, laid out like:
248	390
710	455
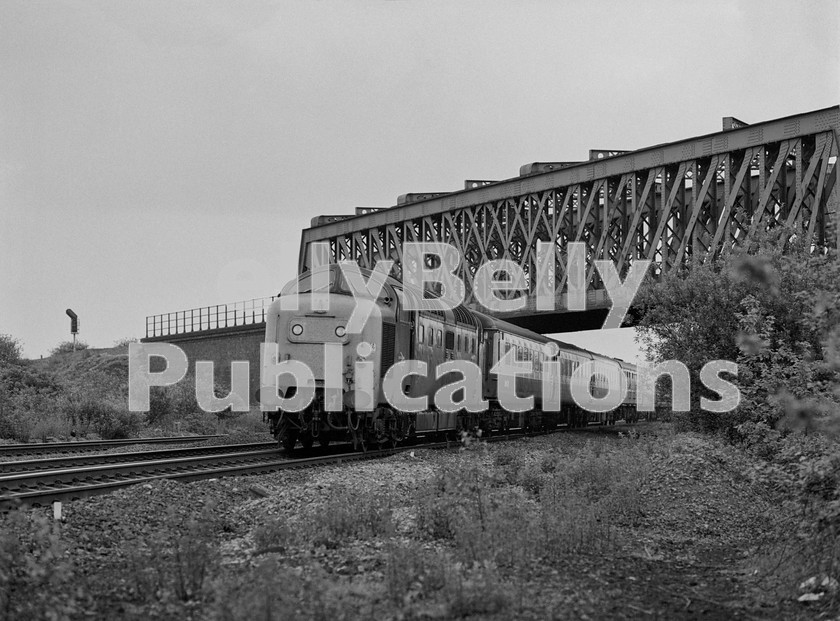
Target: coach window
439	338
422	333
458	341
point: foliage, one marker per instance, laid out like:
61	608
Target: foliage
774	308
802	474
20	378
35	574
346	515
176	560
10	350
66	347
108	418
29	403
557	509
124	342
175	407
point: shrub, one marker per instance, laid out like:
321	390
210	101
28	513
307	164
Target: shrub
66	347
486	520
772	307
274	535
413	571
124	342
106	417
418	583
175	407
35	573
505	456
347	514
22	377
10	350
477	591
28	404
176	561
271	591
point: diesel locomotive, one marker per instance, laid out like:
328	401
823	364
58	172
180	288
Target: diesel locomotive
317	336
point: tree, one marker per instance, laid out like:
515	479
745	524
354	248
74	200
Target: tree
10	350
772	306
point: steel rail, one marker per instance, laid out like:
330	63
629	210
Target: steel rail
57	447
200	468
19	480
68	461
67	486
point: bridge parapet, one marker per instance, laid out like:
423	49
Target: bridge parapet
208	318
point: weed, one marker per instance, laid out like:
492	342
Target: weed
274	535
175	561
35	573
413	572
348	514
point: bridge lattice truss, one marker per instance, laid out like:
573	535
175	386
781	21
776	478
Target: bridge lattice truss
673	204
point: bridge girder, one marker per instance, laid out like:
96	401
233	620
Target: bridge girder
673	204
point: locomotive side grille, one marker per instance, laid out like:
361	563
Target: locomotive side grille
388	332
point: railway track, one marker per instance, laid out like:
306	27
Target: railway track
93	445
80	461
43	486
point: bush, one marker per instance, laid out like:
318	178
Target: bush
29	404
274	535
20	378
178	559
272	591
418	583
412	572
66	347
485	519
175	408
10	350
106	417
350	515
774	308
124	342
35	573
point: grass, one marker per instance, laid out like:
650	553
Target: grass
35	573
469	537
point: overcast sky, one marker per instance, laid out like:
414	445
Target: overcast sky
158	156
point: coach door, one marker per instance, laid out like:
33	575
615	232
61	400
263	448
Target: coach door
489	347
406	324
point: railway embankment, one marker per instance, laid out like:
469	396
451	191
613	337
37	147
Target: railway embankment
597	524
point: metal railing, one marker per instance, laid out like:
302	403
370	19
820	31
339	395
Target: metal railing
247	312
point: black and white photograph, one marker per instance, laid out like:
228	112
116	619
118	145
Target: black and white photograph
338	310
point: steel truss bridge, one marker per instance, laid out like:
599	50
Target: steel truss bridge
674	204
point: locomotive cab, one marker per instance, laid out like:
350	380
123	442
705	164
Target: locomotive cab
315	332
